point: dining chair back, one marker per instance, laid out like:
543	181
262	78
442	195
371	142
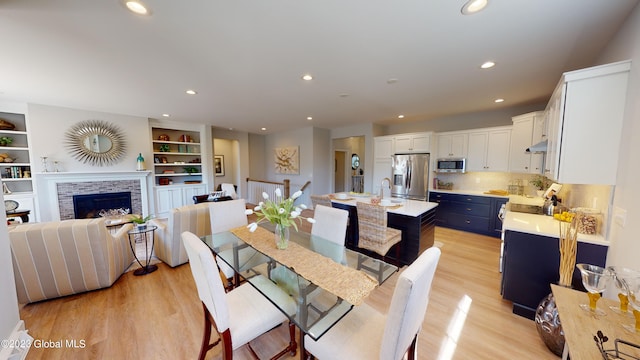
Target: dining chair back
331	223
229	190
244	309
320	200
226	215
373	232
396	332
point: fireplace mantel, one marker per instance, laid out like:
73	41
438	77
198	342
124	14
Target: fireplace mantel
48	193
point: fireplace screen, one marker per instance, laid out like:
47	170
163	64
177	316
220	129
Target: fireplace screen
90	205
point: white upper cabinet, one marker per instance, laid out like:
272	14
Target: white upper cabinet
452	145
413	143
489	150
383	147
522	137
584	125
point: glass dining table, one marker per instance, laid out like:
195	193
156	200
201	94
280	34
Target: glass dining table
322	271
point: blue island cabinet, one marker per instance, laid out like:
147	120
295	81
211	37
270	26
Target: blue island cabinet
474	213
531	264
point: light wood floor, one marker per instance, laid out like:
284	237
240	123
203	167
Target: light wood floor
159	316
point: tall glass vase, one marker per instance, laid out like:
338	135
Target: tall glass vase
282	236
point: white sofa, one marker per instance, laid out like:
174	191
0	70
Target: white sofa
59	258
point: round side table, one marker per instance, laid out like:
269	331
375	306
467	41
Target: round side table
143	234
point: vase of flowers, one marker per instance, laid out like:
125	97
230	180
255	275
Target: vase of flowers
283	213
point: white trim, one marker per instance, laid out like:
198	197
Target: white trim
49	181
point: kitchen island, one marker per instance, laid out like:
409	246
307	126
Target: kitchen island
416	220
531	259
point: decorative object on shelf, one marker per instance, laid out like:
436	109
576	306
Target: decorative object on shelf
96	142
164	148
56	166
218	165
5	189
546	318
4	157
10	205
5	125
163	181
281	212
287	160
163	160
5	140
185	138
190	169
163	137
182	149
140	163
168	171
44	164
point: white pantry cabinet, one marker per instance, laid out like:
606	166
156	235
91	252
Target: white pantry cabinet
383	148
488	150
452	144
584	125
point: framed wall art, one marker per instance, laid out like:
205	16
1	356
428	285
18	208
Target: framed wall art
218	165
287	160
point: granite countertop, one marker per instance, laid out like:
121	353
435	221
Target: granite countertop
544	226
408	207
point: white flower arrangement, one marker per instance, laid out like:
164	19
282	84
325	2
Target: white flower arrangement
279	211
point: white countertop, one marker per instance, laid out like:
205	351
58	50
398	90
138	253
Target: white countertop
409	207
469	192
544	226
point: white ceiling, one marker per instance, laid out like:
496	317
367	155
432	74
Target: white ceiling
246	57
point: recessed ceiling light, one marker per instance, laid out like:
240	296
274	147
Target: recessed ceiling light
309	118
191	92
473	6
392	81
166	115
498	100
488	65
136	7
400	116
264	129
343	95
307	77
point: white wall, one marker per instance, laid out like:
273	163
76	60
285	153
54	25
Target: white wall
49	124
237	158
625	244
301	138
9	313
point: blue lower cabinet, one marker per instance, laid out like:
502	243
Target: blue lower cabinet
477	214
531	264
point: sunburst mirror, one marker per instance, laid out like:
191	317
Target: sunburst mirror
96	142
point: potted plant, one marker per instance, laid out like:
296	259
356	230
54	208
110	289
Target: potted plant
541	183
141	222
190	169
165	148
5	140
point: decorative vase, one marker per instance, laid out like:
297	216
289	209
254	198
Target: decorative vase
548	325
282	236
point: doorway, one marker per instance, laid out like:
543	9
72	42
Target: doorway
340	173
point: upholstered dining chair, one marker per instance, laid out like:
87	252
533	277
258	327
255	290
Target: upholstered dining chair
229	190
330	224
240	315
224	216
365	333
320	200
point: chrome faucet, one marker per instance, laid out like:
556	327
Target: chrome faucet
382	187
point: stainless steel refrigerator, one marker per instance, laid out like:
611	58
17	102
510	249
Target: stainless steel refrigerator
410	176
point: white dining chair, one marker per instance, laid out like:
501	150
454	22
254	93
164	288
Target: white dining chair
241	315
365	333
229	190
224	216
330	224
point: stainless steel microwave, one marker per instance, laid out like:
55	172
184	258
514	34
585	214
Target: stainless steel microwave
451	165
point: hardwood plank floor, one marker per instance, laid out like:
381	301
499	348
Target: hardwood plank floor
159	315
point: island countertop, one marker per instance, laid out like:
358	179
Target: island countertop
407	207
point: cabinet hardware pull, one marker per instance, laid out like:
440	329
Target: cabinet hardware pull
468	222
